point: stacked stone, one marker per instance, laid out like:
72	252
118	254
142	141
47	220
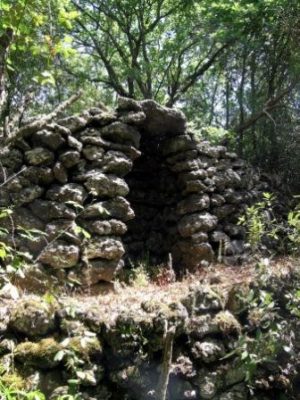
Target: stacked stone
69	181
121	343
69	185
187	195
215	187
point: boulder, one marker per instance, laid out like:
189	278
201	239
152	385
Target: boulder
193	203
177	144
97	271
60	255
104	247
27	195
109	227
33	317
115	162
39	175
74	143
162	120
48	210
11	159
60	173
118	208
73	123
52	140
39	156
70	158
121	133
39	355
103	185
70	192
93	153
208	351
192	223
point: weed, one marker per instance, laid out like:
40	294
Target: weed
260	222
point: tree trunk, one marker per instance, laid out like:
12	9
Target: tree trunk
5	41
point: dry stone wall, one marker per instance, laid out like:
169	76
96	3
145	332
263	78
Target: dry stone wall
132	182
227	344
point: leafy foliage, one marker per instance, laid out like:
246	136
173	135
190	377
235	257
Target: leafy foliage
259	221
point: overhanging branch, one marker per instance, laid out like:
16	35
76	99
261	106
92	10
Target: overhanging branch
268	106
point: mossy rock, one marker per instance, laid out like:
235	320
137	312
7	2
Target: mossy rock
172	314
239	298
201	326
203	298
227	323
85	347
126	337
209	383
40	355
33	317
14	381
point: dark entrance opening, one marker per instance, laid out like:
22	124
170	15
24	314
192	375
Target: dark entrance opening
154	194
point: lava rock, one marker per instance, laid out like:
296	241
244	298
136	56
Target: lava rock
48	210
60	255
115	162
103	185
60	173
50	139
121	133
208	351
116	208
193	203
71	192
93	153
192	223
39	156
109	227
33	317
70	158
104	247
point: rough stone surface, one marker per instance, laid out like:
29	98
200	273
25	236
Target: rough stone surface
71	192
70	158
193	223
32	317
52	140
60	255
106	185
131	180
39	156
117	341
104	247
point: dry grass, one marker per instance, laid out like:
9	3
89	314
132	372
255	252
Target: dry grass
128	299
119	298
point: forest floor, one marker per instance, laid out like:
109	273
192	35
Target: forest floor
111	300
121	298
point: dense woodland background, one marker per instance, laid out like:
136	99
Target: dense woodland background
233	66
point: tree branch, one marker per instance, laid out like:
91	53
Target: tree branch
269	105
41	122
192	78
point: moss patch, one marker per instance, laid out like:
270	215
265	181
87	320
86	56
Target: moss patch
39	355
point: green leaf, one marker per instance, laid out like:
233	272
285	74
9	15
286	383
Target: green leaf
59	355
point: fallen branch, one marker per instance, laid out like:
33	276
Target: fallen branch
40	123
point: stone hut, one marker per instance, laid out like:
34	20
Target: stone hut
97	189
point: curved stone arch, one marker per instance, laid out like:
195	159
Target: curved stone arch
211	185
